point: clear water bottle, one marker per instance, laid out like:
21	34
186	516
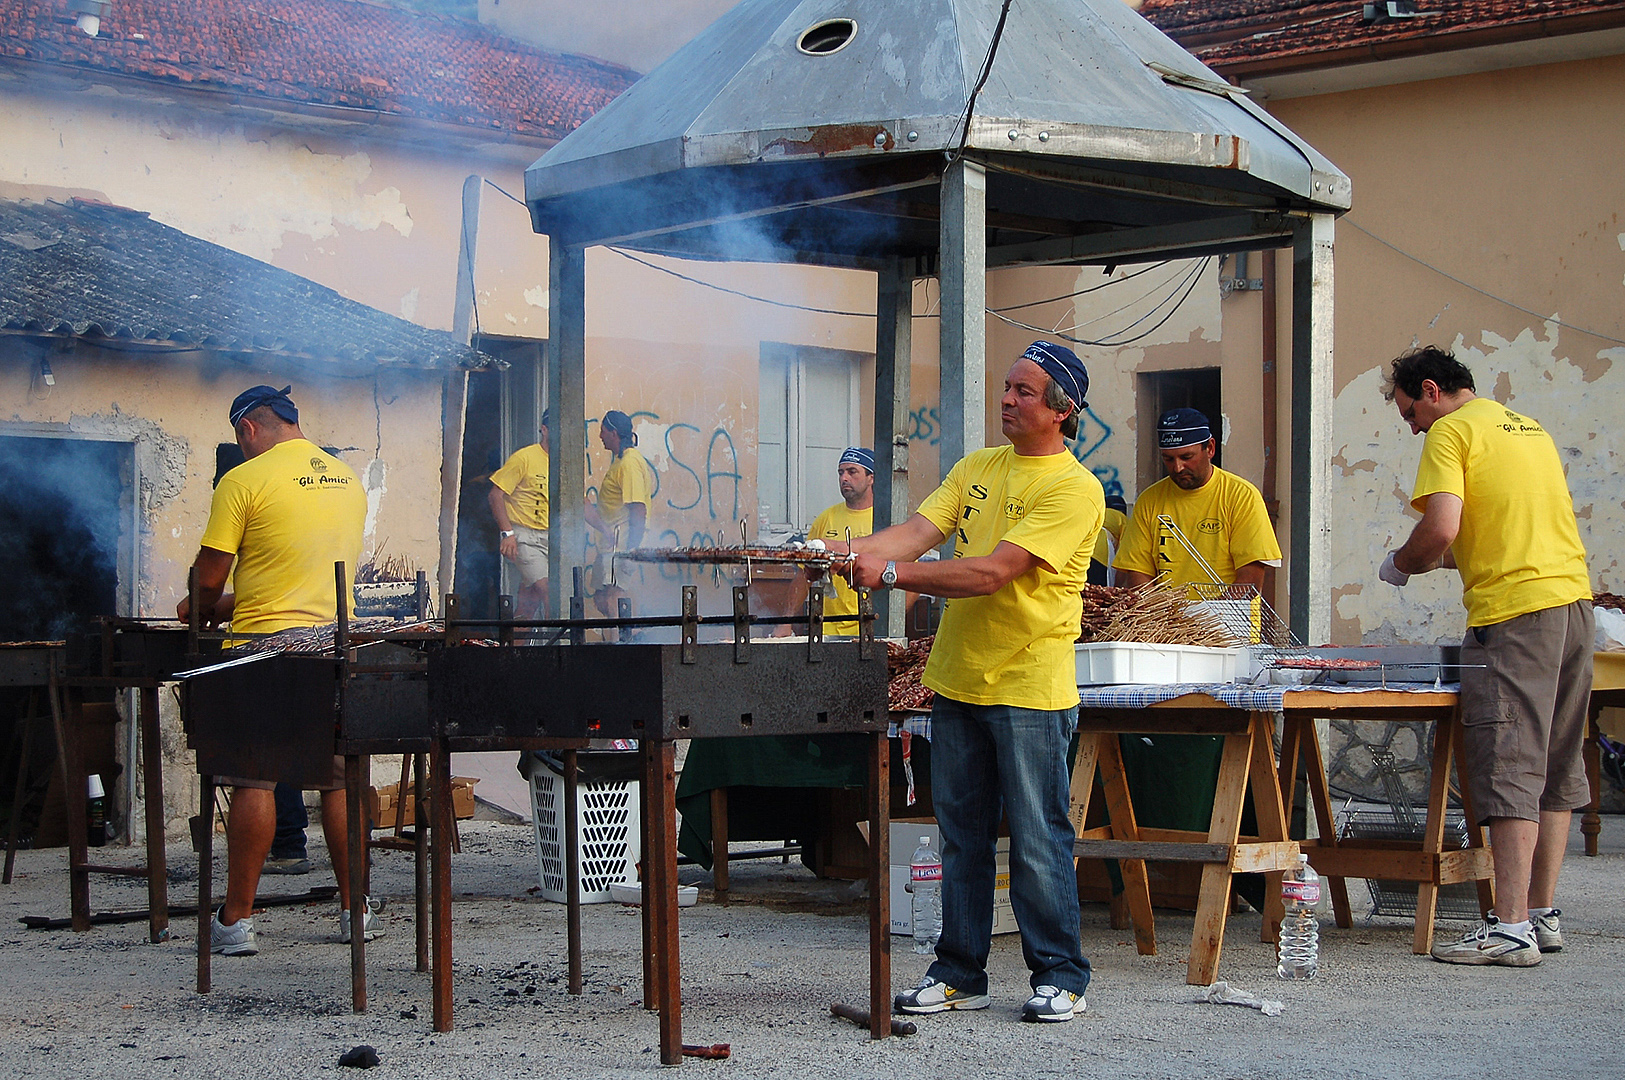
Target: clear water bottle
1299	948
925	882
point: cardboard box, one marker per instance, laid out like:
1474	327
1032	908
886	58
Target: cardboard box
905	837
382	800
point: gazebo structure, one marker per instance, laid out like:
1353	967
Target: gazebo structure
942	137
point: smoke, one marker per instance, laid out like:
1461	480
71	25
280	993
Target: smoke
59	534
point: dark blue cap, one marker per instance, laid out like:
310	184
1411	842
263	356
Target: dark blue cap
1182	427
255	396
859	455
1062	364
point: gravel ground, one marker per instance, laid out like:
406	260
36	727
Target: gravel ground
760	974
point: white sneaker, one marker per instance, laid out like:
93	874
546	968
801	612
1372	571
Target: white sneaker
1053	1005
374	926
1548	934
1490	942
934	996
234	940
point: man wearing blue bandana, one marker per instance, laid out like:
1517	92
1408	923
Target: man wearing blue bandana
1221	515
1023	518
851	518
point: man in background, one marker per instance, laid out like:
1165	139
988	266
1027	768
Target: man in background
518	500
849	519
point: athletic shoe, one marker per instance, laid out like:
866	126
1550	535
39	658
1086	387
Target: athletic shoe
1491	943
234	940
1053	1005
934	996
374	925
286	866
1548	935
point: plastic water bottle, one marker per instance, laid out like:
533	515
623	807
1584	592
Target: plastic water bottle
1299	948
95	811
925	882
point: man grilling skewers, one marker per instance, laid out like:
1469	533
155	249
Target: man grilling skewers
621	515
1219	514
1495	504
1023	519
518	500
283	517
852	517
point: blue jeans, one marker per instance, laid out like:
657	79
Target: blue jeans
984	759
291	822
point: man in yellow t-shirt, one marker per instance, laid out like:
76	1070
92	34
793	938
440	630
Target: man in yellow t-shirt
518	499
1220	514
1023	520
621	516
1109	539
851	518
1495	504
284	517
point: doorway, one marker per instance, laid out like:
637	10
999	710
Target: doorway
1159	391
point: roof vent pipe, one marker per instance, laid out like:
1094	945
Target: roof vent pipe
87	15
829	36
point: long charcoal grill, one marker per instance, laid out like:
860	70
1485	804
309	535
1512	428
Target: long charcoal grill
494	684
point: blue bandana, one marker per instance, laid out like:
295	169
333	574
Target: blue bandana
255	396
1182	427
859	455
1062	364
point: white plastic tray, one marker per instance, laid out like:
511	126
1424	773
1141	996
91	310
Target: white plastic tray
1102	663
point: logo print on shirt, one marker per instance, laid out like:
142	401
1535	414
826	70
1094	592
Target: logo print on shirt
318	464
1014	509
1210	526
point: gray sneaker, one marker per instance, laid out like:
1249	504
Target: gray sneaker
1490	943
234	940
934	996
286	866
373	924
1548	934
1051	1004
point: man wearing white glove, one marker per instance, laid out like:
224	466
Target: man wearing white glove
1495	503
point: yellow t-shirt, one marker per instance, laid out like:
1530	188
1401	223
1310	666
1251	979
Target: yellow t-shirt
1224	519
1519	547
630	479
523	479
834	524
1110	535
1015	646
288	515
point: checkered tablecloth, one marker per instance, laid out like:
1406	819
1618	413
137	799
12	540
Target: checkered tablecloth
1266	698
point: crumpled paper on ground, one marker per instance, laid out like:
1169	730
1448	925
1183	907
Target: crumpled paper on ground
1222	993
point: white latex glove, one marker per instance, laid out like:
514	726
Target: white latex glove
1392	574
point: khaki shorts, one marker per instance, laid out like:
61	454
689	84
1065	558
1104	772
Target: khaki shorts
335	784
532	560
1525	691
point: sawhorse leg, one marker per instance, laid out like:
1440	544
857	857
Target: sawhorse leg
1271	808
1213	901
1299	736
1120	808
1427	892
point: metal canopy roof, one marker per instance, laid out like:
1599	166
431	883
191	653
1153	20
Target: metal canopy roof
1101	139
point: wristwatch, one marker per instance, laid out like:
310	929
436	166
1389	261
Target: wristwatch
888	576
504	534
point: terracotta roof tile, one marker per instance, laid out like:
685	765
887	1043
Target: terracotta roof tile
326	53
1244	36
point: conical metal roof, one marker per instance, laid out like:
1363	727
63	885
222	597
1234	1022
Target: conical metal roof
826	122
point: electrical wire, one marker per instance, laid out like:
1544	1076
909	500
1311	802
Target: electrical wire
1189	286
987	69
1177	274
1081	292
1479	291
735	292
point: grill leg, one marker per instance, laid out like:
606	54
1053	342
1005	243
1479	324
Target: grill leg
572	869
649	823
21	788
661	894
440	807
880	1001
203	842
420	856
355	786
152	776
69	722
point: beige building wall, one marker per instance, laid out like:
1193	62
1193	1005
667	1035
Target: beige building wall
1507	181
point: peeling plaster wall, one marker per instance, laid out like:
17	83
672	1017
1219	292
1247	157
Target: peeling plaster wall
1509	182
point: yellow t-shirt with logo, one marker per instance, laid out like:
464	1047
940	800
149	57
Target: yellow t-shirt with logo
1519	547
1110	535
837	523
288	515
523	479
1224	520
1015	646
630	479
